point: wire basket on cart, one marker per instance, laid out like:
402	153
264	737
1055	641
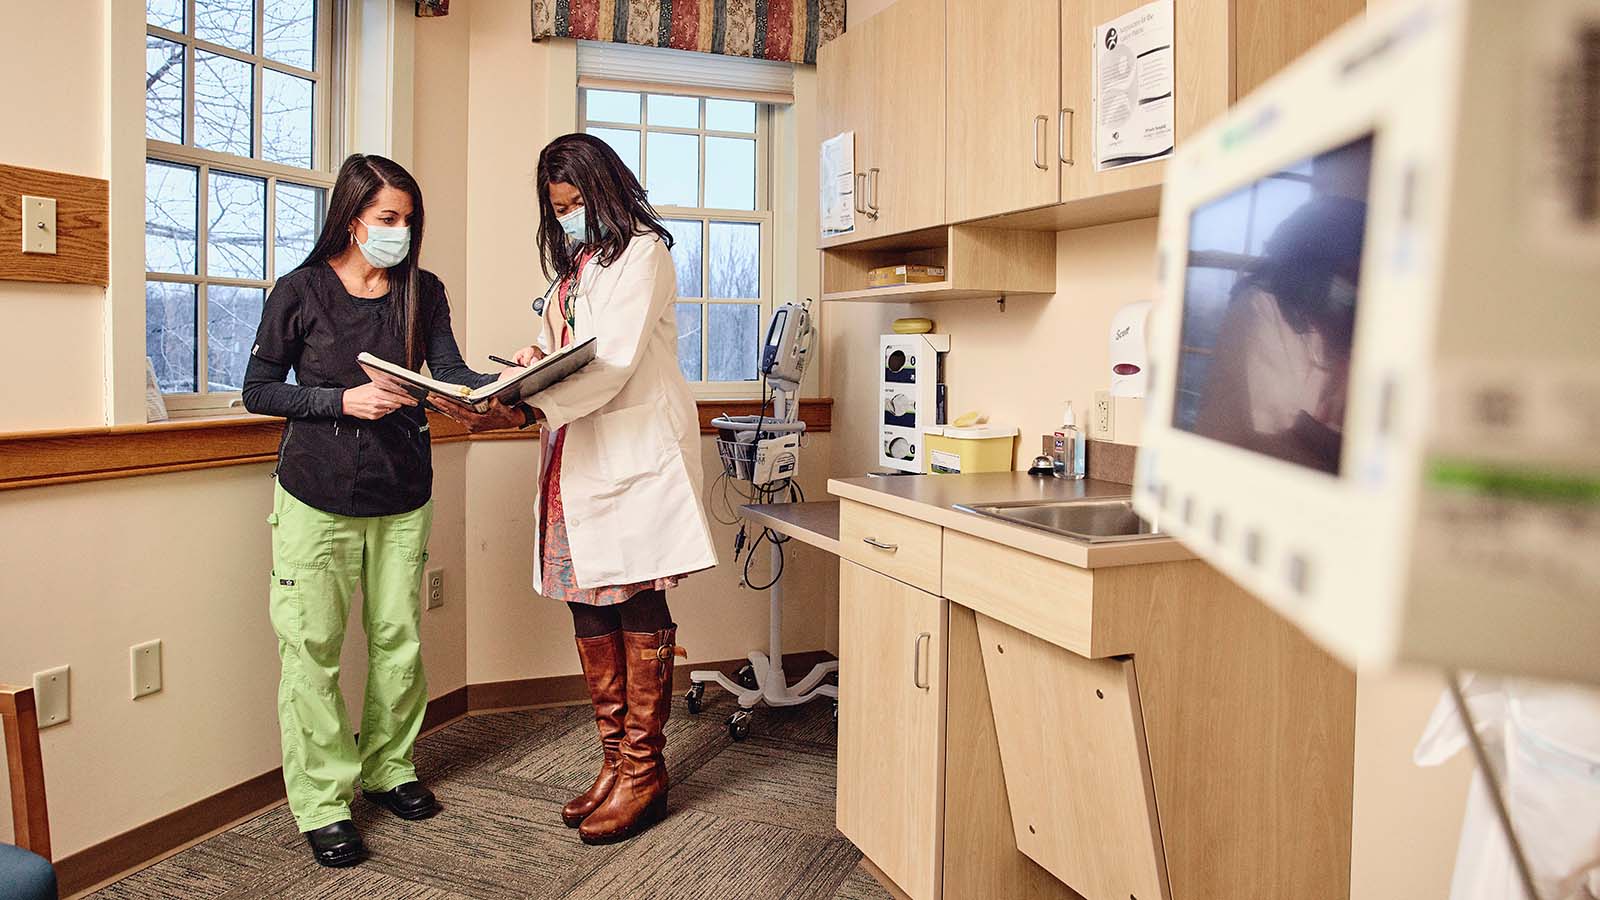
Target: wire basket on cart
742	440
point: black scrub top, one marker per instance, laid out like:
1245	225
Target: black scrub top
333	462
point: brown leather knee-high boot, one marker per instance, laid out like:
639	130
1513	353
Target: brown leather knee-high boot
606	672
639	797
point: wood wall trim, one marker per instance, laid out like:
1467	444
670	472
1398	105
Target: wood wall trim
122	855
65	456
83	229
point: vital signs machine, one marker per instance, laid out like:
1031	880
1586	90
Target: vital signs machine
1375	360
1374	387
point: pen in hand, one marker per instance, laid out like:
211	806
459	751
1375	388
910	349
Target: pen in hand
503	362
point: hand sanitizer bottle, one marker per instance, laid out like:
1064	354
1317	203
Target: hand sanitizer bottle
1068	448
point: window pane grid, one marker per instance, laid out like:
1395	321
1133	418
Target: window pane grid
247	180
634	122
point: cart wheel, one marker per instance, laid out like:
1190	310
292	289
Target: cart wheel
694	699
746	676
739	725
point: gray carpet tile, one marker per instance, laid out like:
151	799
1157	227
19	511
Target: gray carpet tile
764	781
858	885
694	855
750	819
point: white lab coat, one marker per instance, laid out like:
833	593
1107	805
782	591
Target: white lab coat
1544	741
631	477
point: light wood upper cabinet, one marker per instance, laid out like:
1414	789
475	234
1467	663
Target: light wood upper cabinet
848	99
1002	97
892	640
884	80
906	163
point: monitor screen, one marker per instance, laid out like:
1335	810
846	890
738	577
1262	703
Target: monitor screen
1269	309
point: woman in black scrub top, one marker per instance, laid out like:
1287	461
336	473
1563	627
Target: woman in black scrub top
352	506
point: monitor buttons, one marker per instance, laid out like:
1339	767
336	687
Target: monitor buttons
1299	574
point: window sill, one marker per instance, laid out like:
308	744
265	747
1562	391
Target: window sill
65	456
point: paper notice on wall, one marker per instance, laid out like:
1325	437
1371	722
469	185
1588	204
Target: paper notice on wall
1133	81
838	184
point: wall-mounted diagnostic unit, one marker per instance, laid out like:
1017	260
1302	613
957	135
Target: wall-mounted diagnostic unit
910	368
1375	357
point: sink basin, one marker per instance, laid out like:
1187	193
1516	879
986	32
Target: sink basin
1090	521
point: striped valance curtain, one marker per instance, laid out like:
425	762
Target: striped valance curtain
783	30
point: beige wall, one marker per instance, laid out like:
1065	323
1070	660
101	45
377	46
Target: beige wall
93	568
53	328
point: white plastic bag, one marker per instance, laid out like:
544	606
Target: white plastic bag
1544	742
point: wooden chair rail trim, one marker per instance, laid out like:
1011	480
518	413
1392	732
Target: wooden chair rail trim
29	815
66	456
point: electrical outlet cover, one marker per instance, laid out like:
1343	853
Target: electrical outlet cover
435	585
1102	418
144	668
52	694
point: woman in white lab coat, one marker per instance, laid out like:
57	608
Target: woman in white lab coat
620	519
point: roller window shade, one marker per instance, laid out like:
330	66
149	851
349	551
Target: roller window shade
632	68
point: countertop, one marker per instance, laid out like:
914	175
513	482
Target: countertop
932	498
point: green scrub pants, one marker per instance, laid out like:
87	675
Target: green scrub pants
318	559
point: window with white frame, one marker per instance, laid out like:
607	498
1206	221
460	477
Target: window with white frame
238	164
703	162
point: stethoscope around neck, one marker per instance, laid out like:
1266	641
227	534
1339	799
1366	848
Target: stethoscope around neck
540	304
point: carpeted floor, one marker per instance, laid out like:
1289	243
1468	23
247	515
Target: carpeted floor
752	819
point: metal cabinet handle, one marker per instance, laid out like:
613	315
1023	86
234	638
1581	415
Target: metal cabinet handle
923	640
881	545
1039	140
861	192
1063	136
872	205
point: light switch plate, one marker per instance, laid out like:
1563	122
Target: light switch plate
1103	417
435	583
38	224
52	694
144	668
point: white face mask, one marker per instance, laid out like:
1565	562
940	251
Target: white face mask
575	224
386	245
1341	294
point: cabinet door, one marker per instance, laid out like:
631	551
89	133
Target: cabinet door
891	726
1200	87
847	101
1077	769
906	162
1003	89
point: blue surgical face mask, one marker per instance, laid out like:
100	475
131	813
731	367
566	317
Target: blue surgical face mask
386	245
576	225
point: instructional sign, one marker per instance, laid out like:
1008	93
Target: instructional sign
1133	81
837	183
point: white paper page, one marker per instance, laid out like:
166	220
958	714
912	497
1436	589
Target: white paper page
1133	72
837	184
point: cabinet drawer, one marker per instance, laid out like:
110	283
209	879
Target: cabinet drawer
900	547
1040	596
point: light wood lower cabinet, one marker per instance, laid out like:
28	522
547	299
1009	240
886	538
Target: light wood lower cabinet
920	788
891	725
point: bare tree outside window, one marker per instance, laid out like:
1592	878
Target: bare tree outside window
237	173
703	163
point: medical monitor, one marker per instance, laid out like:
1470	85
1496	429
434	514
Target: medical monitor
1374	395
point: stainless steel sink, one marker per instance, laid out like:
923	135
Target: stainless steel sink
1091	521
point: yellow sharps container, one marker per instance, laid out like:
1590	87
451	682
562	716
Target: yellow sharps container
980	448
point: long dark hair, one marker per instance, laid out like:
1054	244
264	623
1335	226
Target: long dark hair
615	205
360	179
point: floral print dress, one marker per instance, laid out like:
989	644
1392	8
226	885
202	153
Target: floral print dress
558	579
